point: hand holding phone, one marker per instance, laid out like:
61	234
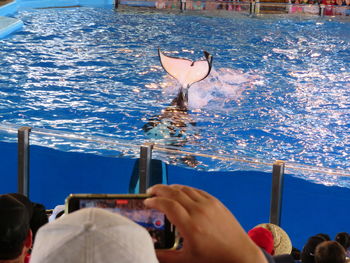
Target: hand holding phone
161	230
209	230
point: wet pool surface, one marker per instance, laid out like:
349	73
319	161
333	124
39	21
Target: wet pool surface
279	88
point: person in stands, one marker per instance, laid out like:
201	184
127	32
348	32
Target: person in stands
210	233
274	240
282	244
325	236
15	233
209	230
263	238
308	251
330	252
343	238
36	211
93	235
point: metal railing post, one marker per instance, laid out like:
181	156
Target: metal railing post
23	160
257	7
182	5
322	7
276	192
289	6
145	167
252	7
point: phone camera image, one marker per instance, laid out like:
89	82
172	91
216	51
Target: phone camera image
158	223
159	228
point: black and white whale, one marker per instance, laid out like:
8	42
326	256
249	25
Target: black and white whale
173	121
186	72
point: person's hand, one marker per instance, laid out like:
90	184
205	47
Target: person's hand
210	232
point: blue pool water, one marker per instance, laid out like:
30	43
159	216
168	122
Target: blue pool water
279	89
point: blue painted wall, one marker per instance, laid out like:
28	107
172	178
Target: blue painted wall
8	167
307	208
55	174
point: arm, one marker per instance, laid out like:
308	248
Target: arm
210	232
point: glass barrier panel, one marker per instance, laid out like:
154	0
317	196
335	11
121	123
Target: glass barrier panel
8	158
63	163
246	183
314	201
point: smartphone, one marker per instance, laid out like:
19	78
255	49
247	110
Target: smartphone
163	233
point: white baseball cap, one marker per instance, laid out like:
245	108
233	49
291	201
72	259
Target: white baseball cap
93	235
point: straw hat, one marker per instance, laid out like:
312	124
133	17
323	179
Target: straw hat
263	238
282	243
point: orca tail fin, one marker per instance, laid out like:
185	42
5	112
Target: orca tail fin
184	70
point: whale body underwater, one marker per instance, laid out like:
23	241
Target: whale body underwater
173	121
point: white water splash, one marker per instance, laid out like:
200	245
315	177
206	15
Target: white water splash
221	86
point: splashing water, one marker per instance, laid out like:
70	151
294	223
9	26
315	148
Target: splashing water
221	86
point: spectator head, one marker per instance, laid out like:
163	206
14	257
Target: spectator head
281	240
15	234
283	258
25	201
326	237
37	212
343	239
38	219
93	235
263	238
295	253
308	251
330	252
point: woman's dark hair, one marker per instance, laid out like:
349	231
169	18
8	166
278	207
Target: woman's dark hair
308	252
343	239
14	227
38	219
295	253
330	252
325	236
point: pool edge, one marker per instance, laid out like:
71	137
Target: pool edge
9	25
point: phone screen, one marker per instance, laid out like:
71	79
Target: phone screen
160	229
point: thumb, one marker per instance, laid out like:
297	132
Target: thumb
169	256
